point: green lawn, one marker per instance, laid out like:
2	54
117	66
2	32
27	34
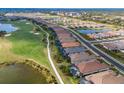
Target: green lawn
26	44
67	79
60	61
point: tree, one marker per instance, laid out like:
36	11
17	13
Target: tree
2	33
64	68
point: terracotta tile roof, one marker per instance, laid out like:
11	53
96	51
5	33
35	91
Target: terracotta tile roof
106	77
63	35
82	56
87	67
62	32
67	39
70	44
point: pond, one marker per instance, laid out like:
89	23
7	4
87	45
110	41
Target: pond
20	74
7	27
91	31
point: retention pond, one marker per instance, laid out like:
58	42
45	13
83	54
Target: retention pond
20	74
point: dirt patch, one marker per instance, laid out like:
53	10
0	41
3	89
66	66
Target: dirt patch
5	44
0	46
5	52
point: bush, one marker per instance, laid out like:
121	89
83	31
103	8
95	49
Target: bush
2	33
64	69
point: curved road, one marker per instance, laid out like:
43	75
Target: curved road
50	59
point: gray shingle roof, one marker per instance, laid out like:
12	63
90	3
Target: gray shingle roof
75	49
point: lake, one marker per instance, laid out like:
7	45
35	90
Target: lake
91	31
20	74
7	27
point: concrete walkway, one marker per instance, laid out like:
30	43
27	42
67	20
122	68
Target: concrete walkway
50	59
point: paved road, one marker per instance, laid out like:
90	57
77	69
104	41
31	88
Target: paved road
102	54
50	59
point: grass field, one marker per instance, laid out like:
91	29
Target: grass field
23	44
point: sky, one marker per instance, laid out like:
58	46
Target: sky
62	3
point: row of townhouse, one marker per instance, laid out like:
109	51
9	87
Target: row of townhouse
114	45
105	77
75	22
107	34
83	62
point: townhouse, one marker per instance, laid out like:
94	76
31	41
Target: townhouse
107	34
89	67
82	56
114	45
105	77
73	50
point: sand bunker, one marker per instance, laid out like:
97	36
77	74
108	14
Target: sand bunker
36	33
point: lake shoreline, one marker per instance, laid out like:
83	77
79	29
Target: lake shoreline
42	70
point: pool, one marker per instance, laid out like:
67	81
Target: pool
7	27
90	31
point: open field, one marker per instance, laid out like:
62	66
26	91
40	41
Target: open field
26	47
23	44
5	53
